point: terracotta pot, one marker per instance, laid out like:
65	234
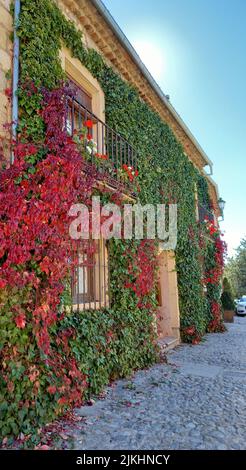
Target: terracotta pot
229	316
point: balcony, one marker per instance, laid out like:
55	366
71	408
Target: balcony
204	214
114	158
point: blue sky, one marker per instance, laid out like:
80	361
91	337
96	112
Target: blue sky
196	51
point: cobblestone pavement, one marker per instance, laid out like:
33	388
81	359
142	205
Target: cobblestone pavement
196	401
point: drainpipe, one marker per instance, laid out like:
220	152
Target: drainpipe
16	51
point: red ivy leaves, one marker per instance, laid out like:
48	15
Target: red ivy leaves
216	325
36	249
214	275
20	320
191	334
3	283
51	389
144	278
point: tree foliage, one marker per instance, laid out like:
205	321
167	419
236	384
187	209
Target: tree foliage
235	270
226	297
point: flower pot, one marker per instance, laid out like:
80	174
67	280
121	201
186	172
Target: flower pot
229	316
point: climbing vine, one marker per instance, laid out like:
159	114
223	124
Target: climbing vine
214	266
42	344
54	358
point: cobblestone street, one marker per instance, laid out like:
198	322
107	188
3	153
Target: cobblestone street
196	401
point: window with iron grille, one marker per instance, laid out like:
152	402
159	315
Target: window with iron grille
91	276
90	281
111	153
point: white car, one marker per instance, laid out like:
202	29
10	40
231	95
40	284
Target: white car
241	307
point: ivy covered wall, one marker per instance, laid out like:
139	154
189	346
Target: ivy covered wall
115	341
166	174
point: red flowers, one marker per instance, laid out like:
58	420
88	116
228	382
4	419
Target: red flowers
131	173
101	156
89	124
211	227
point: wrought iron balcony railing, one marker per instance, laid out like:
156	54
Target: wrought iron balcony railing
116	162
205	214
114	157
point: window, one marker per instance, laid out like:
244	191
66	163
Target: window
79	115
79	107
90	277
92	96
104	147
82	96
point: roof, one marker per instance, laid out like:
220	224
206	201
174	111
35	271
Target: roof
132	52
109	39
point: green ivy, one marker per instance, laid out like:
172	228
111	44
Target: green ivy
165	175
202	190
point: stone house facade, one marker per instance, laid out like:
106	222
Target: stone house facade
132	124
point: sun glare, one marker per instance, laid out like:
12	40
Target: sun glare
152	57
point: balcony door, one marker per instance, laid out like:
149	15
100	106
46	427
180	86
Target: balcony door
79	107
